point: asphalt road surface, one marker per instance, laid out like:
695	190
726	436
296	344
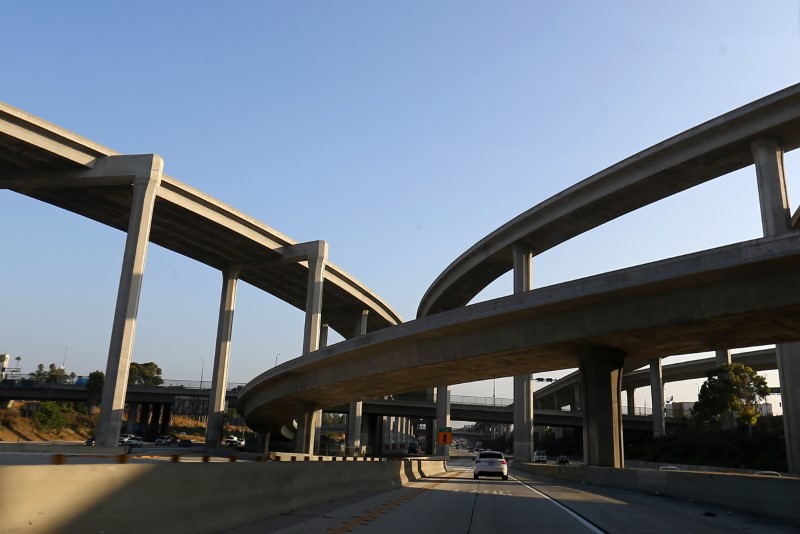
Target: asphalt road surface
455	503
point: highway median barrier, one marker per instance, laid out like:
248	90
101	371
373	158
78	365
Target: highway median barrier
192	497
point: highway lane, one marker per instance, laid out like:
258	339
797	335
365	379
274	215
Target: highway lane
455	503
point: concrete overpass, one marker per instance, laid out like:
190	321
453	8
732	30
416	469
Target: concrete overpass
133	194
740	295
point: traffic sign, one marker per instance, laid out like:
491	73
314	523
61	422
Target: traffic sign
445	438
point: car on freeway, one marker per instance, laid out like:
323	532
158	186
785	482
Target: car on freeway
135	441
164	440
562	460
540	457
668	468
89	442
123	439
490	463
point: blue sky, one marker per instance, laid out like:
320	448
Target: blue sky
401	133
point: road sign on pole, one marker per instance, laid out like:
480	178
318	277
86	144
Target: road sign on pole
445	437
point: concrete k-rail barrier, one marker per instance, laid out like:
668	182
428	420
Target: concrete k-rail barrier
764	495
178	498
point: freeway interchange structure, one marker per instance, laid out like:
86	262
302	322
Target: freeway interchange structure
739	295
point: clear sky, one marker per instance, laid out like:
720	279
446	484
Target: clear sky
400	132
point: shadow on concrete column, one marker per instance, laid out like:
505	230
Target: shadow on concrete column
601	388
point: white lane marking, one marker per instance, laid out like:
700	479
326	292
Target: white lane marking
578	518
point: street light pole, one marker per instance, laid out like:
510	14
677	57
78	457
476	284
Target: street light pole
202	368
276	359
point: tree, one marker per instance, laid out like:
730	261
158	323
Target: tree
145	374
733	387
56	375
94	389
49	416
39	375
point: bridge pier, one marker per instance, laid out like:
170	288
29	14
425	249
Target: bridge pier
523	384
776	219
657	396
147	171
354	421
601	385
222	353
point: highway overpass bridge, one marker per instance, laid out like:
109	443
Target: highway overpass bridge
739	295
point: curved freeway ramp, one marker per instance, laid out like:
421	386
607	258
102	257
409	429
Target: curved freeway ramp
744	294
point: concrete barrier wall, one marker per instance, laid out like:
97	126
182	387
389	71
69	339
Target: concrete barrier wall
769	496
190	497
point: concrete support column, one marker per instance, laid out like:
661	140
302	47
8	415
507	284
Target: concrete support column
147	170
442	418
727	419
144	419
601	383
262	445
316	254
166	419
316	274
222	353
523	384
630	393
307	421
430	436
776	219
133	410
577	394
354	416
657	396
155	420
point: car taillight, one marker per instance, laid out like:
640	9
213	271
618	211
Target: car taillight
502	462
477	461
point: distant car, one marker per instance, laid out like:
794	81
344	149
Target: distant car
123	439
164	440
89	442
185	443
767	474
540	457
490	463
231	441
562	460
135	441
668	468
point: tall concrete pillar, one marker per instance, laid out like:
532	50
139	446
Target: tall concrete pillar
430	436
442	418
147	171
657	396
630	393
155	419
166	419
262	442
316	254
387	433
133	411
354	422
776	219
222	353
307	420
144	419
727	418
523	384
601	382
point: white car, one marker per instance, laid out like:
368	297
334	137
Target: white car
490	463
135	441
